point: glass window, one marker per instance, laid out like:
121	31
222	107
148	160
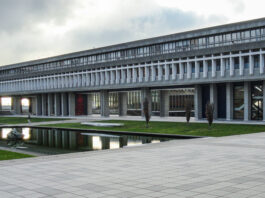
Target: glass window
238	102
256	101
236	62
246	62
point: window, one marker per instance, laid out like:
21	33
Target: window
238	102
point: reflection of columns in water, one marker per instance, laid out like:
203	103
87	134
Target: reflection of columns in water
90	142
146	140
58	138
65	139
45	137
105	142
73	140
39	136
123	141
51	138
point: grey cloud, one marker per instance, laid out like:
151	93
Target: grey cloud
166	21
21	14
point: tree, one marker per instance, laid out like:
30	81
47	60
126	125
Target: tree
209	113
188	110
146	112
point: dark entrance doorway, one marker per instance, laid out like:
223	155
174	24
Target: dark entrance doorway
81	104
221	101
205	98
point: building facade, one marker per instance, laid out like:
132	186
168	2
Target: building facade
223	65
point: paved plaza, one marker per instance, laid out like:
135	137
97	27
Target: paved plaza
210	167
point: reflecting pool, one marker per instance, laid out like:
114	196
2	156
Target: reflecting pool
57	141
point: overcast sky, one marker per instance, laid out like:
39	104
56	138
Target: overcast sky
33	29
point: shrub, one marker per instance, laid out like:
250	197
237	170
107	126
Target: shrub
188	110
209	113
146	112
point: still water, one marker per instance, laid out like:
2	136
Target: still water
56	141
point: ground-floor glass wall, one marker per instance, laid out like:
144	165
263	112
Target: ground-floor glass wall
238	102
256	101
155	102
113	103
96	103
134	103
178	98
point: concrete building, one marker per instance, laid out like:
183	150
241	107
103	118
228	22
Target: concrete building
223	65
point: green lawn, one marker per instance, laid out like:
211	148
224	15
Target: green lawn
22	120
197	129
8	155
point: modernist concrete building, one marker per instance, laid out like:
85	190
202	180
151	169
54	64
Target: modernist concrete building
222	64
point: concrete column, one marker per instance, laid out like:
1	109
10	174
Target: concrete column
141	74
247	101
174	71
166	71
89	104
205	69
146	93
164	103
241	65
39	105
153	73
129	75
198	102
213	67
160	72
189	70
229	101
17	105
44	104
213	99
104	103
222	66
57	104
181	71
263	87
232	66
123	97
64	107
147	73
123	75
261	63
50	104
118	76
197	69
71	104
134	74
251	65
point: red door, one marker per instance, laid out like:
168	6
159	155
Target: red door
79	106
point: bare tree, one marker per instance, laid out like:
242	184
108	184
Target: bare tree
209	113
146	112
188	110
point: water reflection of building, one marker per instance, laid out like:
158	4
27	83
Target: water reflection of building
63	139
